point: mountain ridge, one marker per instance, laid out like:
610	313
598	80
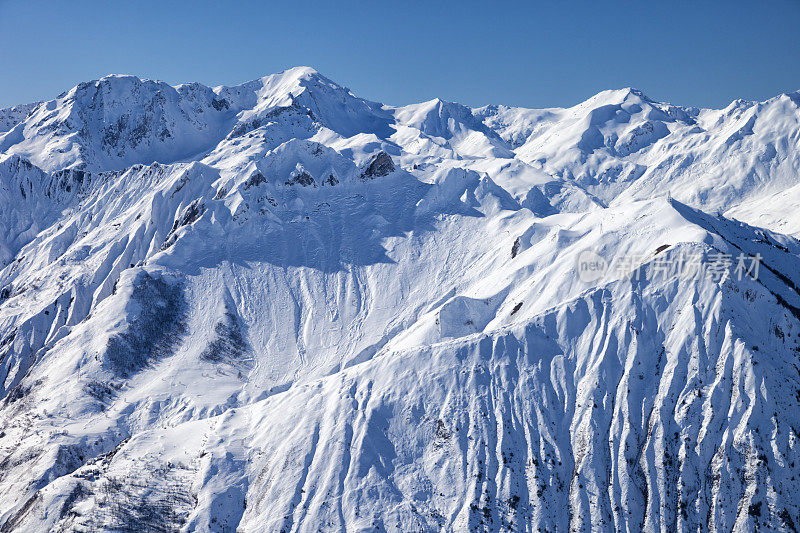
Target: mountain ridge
318	312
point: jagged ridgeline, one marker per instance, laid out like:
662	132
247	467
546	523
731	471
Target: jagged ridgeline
281	307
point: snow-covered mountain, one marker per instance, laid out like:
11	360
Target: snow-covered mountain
281	307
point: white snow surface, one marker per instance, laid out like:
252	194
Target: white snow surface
280	307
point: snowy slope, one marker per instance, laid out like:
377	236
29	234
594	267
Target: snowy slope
280	307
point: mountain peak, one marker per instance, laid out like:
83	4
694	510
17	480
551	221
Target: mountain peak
618	96
131	77
302	72
297	76
279	89
120	81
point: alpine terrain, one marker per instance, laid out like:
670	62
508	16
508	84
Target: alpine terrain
280	307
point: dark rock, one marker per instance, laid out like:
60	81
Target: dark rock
220	103
380	165
255	180
303	178
192	212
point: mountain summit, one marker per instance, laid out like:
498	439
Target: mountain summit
280	307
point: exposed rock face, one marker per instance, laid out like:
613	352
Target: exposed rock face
380	165
255	180
303	178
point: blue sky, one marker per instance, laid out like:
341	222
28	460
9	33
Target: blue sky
533	54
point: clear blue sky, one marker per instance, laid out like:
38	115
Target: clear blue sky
533	54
